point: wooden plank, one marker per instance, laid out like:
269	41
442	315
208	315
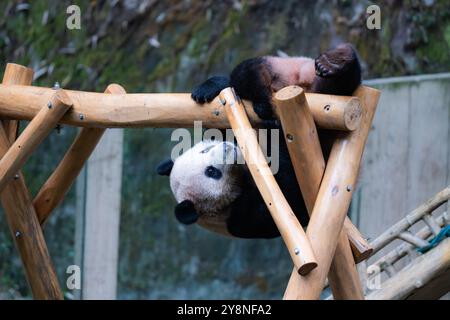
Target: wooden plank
309	165
36	131
55	188
102	218
25	227
290	229
334	198
160	109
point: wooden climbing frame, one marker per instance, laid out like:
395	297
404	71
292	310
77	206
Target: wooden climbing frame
331	245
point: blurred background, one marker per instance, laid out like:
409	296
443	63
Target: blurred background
170	46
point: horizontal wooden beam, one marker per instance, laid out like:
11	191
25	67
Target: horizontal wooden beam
36	131
161	109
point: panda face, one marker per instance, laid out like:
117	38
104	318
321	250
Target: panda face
208	175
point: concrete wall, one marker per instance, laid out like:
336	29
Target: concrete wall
407	156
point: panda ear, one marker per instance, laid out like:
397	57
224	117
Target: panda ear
165	167
185	212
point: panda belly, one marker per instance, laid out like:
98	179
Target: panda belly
291	71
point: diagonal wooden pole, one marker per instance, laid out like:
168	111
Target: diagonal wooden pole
333	200
35	132
21	216
290	229
55	188
309	165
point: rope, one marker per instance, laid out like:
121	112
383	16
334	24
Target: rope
444	233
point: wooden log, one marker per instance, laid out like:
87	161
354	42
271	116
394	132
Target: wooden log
161	109
361	248
290	229
403	249
412	239
309	170
15	74
36	131
415	215
55	188
414	277
24	225
333	199
309	165
433	225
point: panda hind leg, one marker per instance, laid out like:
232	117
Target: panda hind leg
338	71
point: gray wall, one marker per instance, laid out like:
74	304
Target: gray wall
407	156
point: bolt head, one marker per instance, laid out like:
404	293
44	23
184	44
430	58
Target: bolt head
297	251
81	117
49	105
17	234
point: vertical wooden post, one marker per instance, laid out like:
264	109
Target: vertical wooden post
290	229
55	188
309	165
21	216
333	199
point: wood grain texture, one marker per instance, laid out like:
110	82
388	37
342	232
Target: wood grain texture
160	109
309	165
15	74
333	199
36	131
290	229
55	188
25	227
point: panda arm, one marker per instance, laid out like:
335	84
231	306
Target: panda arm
208	90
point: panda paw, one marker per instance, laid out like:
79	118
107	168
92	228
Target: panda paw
335	62
208	90
325	68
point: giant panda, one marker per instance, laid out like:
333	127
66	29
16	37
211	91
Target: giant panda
221	195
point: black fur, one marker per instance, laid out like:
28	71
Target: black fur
165	167
338	72
185	212
210	89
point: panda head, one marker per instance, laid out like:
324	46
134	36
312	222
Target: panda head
205	181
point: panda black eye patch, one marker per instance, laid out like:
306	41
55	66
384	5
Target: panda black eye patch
207	149
212	172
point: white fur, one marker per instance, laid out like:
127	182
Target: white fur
189	182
